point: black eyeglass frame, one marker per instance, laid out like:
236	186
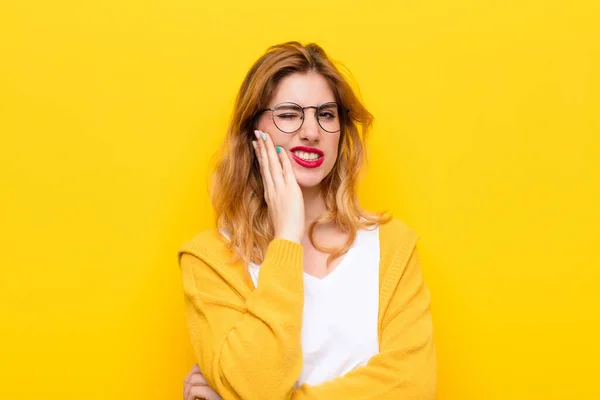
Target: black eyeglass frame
317	108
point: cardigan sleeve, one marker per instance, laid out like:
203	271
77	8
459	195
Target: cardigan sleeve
405	367
247	349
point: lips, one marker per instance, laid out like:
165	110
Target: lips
307	149
308	163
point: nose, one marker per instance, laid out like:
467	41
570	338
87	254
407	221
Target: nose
310	130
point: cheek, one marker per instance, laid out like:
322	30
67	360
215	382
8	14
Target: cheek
265	124
333	146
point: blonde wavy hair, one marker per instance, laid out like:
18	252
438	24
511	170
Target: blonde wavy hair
237	192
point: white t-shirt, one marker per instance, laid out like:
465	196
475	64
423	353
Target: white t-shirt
339	330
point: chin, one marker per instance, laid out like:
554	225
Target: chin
310	178
308	182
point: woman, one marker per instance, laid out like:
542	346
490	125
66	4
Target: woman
298	293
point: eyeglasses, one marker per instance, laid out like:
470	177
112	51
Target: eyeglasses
288	117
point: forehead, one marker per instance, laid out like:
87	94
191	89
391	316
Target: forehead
304	89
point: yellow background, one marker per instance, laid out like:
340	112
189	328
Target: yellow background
486	143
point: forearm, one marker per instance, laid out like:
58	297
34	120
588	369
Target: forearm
381	379
405	368
251	350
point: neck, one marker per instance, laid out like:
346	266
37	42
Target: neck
314	204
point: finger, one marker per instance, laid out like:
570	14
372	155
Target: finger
255	144
186	382
198	379
203	392
195	380
288	170
257	154
198	392
274	163
195	370
264	168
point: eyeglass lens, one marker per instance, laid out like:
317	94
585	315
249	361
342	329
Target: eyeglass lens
288	117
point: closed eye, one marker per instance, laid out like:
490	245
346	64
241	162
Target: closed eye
327	115
288	116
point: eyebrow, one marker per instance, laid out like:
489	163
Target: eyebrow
286	106
289	104
329	104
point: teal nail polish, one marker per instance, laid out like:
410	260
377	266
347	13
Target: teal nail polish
264	136
278	149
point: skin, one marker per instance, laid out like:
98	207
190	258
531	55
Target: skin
309	89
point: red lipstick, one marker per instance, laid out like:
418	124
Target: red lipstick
308	163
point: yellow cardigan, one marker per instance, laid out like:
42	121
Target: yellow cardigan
247	341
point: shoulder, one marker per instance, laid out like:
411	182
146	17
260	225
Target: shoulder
209	245
397	231
397	243
204	261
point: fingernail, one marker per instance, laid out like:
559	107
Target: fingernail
264	136
254	144
256	134
278	149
